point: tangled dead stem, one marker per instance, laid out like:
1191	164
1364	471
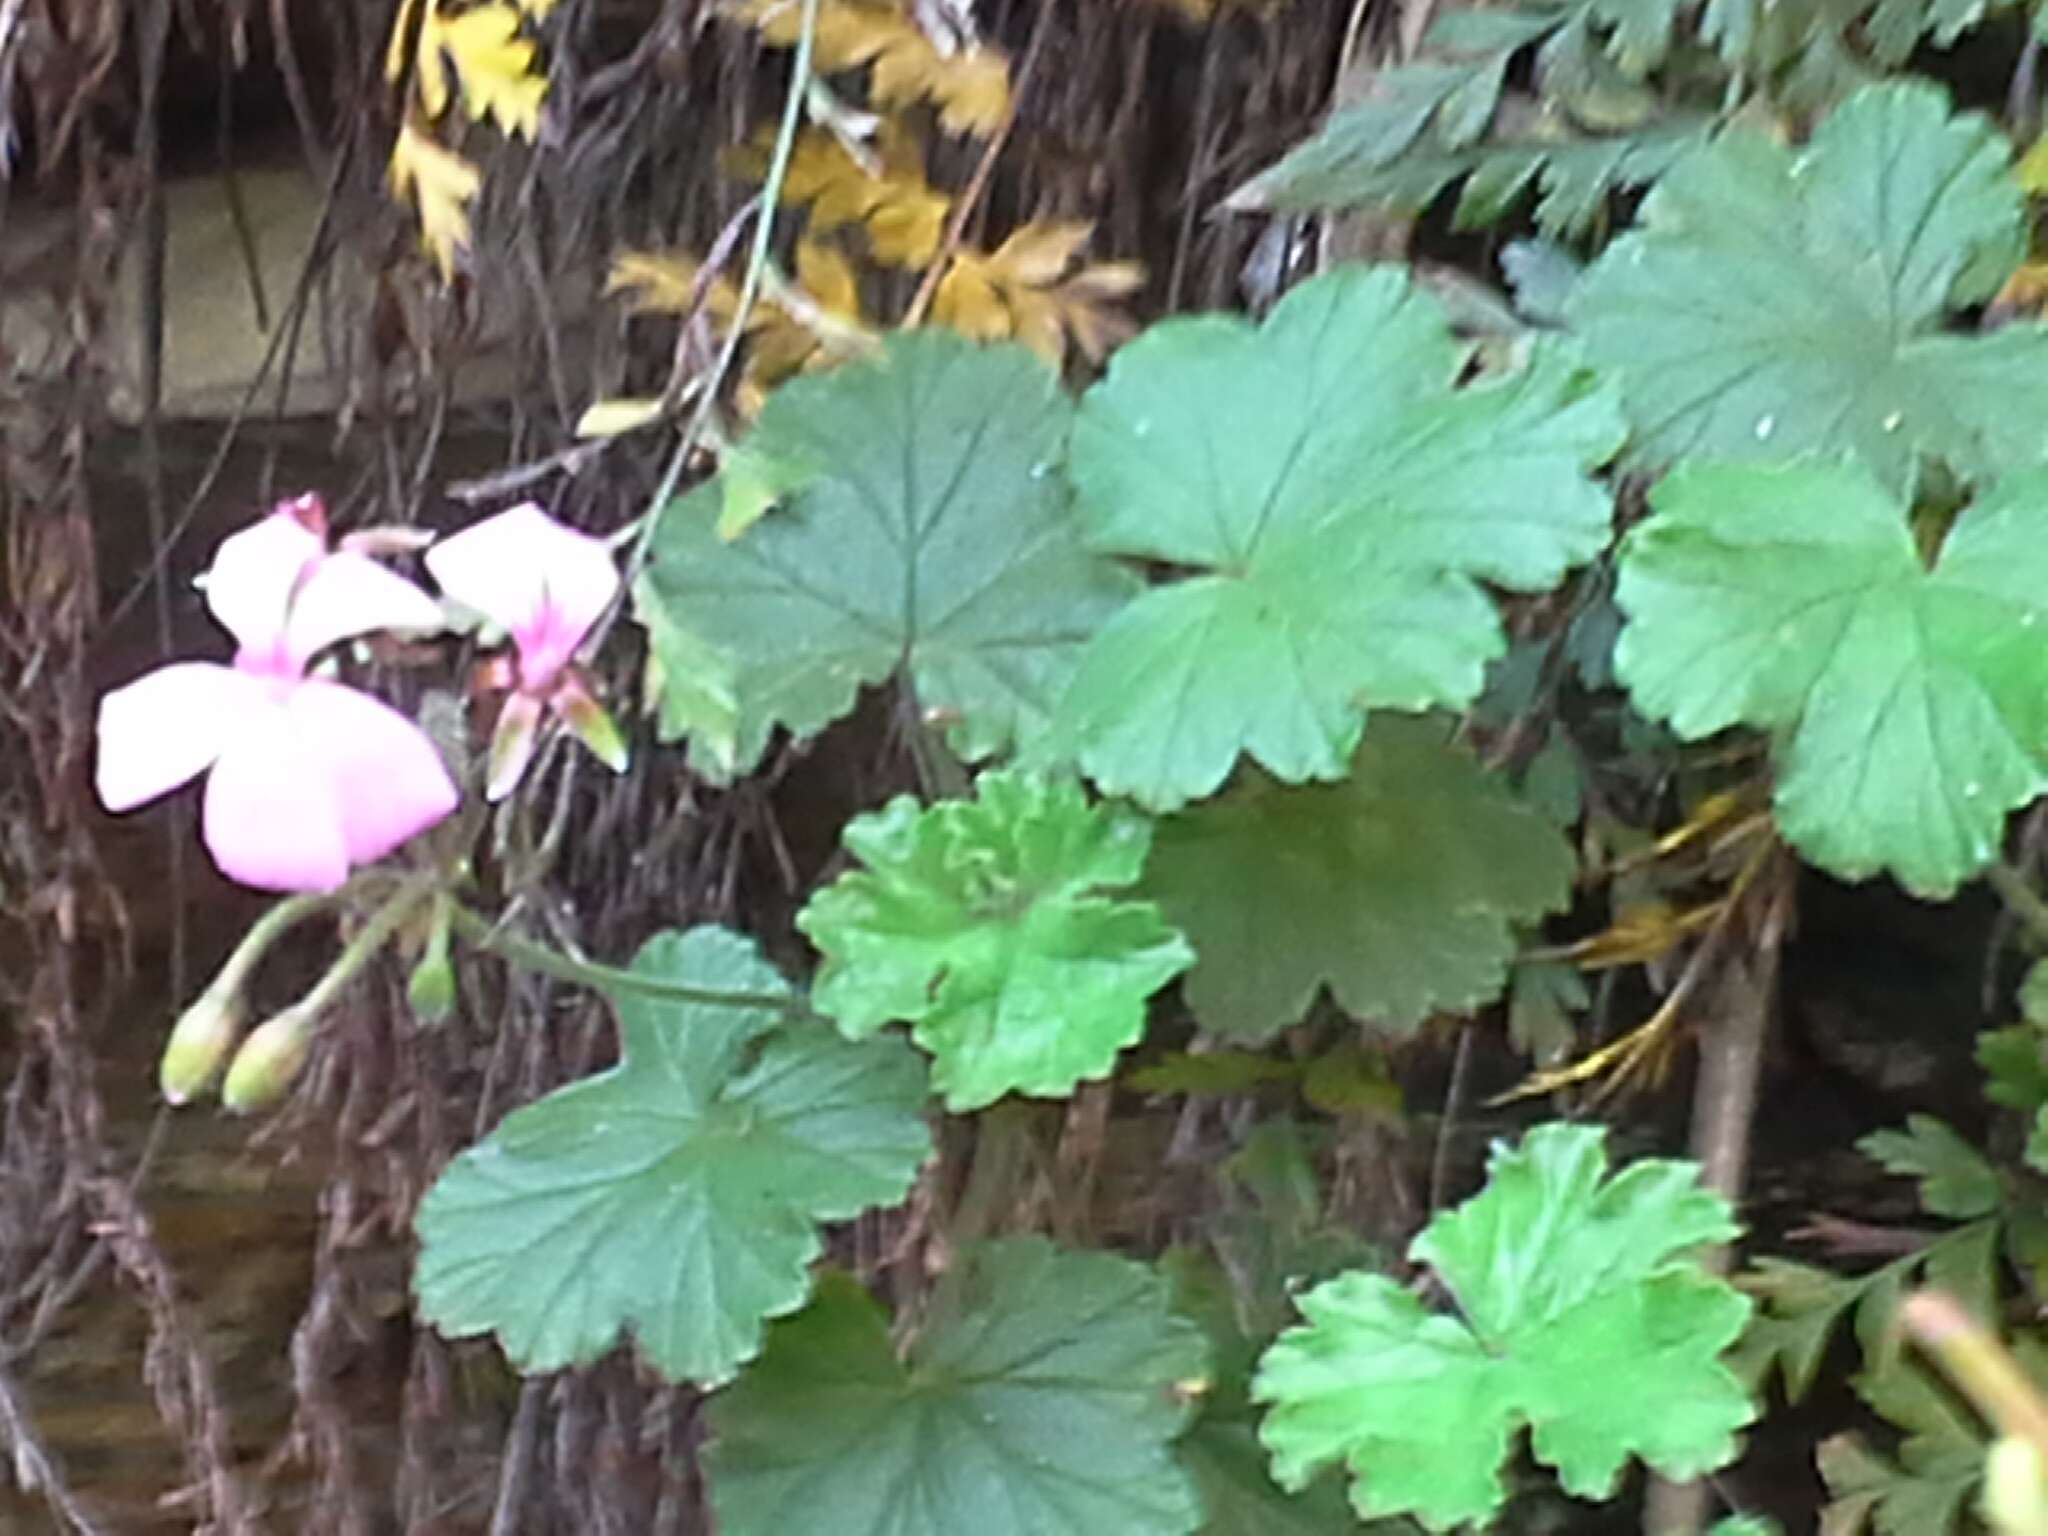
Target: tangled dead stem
201	1328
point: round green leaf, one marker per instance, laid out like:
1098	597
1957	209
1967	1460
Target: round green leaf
1779	301
1398	889
676	1196
1040	1399
1910	705
1335	500
929	531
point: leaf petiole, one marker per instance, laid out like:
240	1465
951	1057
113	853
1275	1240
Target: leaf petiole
607	978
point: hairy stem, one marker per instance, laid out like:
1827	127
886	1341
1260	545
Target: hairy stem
546	961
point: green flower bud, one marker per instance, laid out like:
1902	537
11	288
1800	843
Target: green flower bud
431	989
199	1043
263	1069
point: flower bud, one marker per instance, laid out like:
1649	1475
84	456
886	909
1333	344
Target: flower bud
199	1043
431	988
263	1069
2015	1488
590	723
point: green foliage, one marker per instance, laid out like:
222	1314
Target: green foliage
1801	1308
983	925
1040	1397
1583	1315
1221	1450
1774	302
930	536
676	1196
1397	888
1928	1489
1910	703
1955	1180
1442	120
1336	500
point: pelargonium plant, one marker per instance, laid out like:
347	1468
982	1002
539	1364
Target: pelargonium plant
309	780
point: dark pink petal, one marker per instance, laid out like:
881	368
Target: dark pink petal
387	779
540	581
271	819
345	595
254	575
166	727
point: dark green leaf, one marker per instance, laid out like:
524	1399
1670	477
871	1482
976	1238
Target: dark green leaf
1041	1398
1398	889
935	539
1955	1180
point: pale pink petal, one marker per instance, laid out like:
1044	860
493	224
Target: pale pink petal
165	728
512	744
387	779
254	574
542	582
347	595
270	819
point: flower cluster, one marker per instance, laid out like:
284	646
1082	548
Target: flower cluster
306	778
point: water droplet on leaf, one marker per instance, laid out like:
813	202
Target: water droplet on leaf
1765	426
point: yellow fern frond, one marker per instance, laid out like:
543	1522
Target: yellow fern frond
970	86
1023	289
441	185
904	216
492	62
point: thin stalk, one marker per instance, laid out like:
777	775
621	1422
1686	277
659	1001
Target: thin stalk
546	961
1002	1156
750	289
369	941
234	973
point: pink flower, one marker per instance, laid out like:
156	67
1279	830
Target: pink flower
545	585
308	778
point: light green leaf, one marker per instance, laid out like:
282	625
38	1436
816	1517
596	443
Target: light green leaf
1338	501
1745	1525
758	475
1911	705
983	925
676	1196
1955	1180
1583	1318
1040	1398
1398	889
1776	301
926	531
